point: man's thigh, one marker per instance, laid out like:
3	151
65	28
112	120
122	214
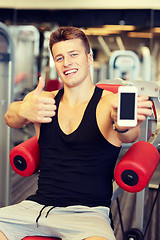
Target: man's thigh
2	236
18	221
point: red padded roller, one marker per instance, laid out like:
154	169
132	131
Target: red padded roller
137	166
40	238
109	87
24	158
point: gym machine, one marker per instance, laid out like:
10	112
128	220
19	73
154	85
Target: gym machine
124	64
134	170
6	82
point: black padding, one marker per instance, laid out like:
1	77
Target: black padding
20	163
129	177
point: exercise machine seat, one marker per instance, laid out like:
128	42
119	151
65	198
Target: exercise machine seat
40	238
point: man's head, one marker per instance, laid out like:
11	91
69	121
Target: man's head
68	33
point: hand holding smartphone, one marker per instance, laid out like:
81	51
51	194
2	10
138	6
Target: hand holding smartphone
127	106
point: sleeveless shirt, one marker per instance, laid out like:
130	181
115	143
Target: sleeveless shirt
75	169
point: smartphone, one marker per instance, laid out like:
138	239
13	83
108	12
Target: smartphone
127	106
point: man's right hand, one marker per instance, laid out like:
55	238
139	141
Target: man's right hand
36	107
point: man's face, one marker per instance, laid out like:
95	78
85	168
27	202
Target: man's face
71	61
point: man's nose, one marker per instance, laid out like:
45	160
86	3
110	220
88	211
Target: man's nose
67	61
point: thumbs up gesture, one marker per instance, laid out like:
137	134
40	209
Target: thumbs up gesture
39	87
38	107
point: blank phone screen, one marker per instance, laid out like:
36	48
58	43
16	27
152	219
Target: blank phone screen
127	106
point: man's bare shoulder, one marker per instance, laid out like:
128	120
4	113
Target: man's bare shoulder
107	100
51	94
109	96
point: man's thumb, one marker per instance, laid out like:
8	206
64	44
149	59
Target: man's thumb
40	86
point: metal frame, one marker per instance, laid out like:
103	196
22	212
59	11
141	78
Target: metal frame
6	97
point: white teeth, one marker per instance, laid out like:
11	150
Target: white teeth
70	71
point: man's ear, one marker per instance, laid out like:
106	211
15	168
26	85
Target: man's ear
90	58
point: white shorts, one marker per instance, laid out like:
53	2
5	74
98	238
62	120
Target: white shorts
68	223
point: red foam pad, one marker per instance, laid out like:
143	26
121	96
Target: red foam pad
40	238
137	166
53	84
24	158
109	87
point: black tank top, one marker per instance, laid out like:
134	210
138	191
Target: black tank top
75	169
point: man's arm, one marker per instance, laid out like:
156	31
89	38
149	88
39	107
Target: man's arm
37	107
130	136
12	116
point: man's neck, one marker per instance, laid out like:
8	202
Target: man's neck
79	94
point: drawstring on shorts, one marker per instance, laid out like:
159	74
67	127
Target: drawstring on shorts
40	213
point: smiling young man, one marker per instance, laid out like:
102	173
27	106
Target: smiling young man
78	149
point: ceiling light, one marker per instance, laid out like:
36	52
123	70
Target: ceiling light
120	27
100	31
140	34
156	30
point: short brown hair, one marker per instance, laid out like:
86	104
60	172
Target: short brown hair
68	33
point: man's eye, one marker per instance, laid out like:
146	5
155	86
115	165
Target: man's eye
74	54
59	59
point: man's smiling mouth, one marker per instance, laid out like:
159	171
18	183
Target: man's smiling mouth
70	71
